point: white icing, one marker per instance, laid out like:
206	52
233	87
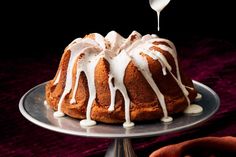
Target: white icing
118	52
157	56
89	72
112	92
116	40
154	35
57	78
100	40
118	66
147	37
134	36
198	97
182	87
87	123
158	6
77	40
78	72
172	51
85	64
58	114
142	65
193	109
189	87
128	124
45	102
167	119
75	51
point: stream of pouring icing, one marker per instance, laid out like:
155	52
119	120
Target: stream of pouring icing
158	6
118	52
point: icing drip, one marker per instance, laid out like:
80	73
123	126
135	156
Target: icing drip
57	78
198	97
45	102
158	6
118	52
194	108
157	56
189	88
182	87
116	76
75	51
82	65
89	72
142	65
172	51
78	72
112	92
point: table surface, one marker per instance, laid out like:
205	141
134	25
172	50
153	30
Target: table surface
209	61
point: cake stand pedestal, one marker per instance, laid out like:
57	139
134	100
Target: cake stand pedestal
32	108
121	147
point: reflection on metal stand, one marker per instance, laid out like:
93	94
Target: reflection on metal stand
121	147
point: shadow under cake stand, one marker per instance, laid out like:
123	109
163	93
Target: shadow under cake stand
32	108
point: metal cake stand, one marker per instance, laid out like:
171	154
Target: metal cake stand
32	108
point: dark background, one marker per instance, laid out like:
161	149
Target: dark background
36	28
35	33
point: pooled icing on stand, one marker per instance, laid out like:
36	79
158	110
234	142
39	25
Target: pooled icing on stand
118	52
199	97
193	109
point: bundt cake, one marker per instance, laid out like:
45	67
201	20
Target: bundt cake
116	80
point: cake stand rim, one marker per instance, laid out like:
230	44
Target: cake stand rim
105	135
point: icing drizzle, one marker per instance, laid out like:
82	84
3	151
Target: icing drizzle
158	6
118	52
